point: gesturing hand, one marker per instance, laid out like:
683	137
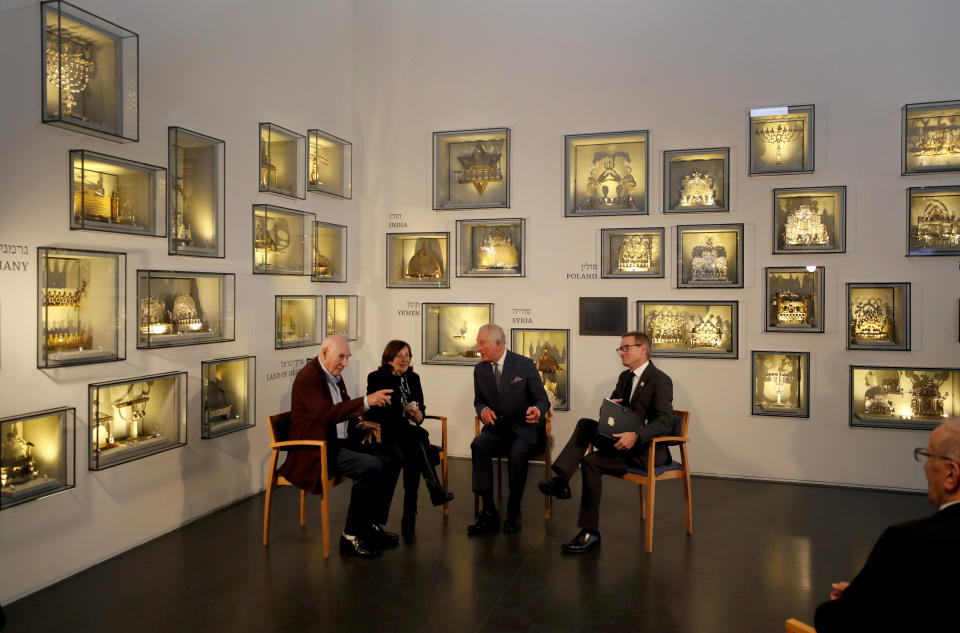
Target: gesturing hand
533	414
379	398
838	589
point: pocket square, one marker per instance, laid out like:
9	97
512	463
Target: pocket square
516	379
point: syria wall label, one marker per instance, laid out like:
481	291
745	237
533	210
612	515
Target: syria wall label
409	309
521	316
9	260
396	221
288	368
586	271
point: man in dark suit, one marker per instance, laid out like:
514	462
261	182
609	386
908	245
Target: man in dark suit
650	394
512	404
909	580
322	410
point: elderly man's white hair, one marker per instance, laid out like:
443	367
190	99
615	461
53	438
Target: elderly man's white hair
495	332
948	444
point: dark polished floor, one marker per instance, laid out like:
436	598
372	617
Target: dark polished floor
759	553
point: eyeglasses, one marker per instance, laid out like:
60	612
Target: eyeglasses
921	455
404	356
624	348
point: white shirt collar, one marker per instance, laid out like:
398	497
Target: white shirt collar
639	370
947	505
503	357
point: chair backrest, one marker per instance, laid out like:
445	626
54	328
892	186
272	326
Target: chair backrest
279	427
680	421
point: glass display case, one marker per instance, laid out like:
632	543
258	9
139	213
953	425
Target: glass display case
606	173
781	384
329	164
491	248
450	332
196	194
329	252
130	419
781	140
280	240
342	316
878	316
37	455
690	329
603	316
184	308
794	299
710	256
549	351
631	252
228	396
930	137
418	260
471	169
918	398
298	320
283	156
114	194
81	299
809	220
90	73
933	221
696	180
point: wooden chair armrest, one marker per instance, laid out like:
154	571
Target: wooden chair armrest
670	438
796	626
320	443
476	426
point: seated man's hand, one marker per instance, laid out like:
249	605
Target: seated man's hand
369	431
625	441
487	416
838	589
616	399
533	414
379	398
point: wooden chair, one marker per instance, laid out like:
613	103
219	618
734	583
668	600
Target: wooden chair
545	456
796	626
443	454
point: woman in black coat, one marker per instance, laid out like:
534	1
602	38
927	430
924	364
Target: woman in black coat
400	426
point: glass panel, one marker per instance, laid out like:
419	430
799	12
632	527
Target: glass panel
933	220
781	385
175	308
229	395
690	328
548	349
342	316
931	137
878	316
781	142
471	169
418	260
709	255
696	180
279	240
329	164
36	455
195	202
903	397
809	220
450	332
606	174
632	252
298	319
113	194
490	248
282	161
794	299
329	252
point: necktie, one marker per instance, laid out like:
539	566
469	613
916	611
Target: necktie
343	390
496	374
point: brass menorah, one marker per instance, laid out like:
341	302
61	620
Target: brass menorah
779	135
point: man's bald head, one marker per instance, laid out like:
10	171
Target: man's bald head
943	466
334	354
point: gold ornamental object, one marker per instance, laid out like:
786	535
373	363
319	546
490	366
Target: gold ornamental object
805	227
424	265
317	161
706	334
497	252
153	315
321	266
872	321
547	363
780	379
66	341
779	136
926	399
698	189
634	254
17	465
69	69
480	168
792	308
268	171
608	188
936	226
57	297
709	262
944	140
669	328
185	315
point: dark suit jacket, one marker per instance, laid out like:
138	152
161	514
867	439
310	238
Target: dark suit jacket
653	402
390	417
520	387
313	417
907	584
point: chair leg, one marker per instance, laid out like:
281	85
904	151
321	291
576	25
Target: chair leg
325	520
266	504
443	470
643	502
651	492
687	491
303	508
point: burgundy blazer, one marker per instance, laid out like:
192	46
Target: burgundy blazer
313	416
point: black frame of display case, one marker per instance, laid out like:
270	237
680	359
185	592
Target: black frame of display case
820	273
472	132
220	220
345	166
350	305
121	319
903	138
343	249
59	121
928	252
300	170
307	232
812	136
683	228
841	236
444	279
463	224
423	330
318	336
223	319
160	228
896	422
205	432
669	153
733	354
569	139
69	452
905	309
566	331
605	238
803	372
612	303
91	387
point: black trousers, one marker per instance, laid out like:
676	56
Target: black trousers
374	469
498	440
413	442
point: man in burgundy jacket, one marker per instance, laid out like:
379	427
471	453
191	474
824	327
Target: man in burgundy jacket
322	410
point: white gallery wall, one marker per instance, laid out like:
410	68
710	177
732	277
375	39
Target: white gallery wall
385	75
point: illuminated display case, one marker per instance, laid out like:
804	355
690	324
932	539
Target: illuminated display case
283	156
930	137
809	220
90	73
794	299
878	316
229	395
606	173
196	194
298	320
690	329
918	398
342	316
134	418
933	221
36	455
418	260
114	194
471	169
603	316
280	238
781	384
329	164
710	256
549	351
81	304
631	252
491	248
329	261
696	180
184	308
781	140
450	332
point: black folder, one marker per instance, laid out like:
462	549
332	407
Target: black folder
617	418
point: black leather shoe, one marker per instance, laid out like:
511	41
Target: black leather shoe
380	538
556	487
356	548
512	524
439	496
582	542
408	527
487	523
